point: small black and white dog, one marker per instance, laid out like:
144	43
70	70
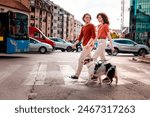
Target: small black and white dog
96	70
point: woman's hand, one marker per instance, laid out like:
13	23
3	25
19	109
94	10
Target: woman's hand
112	49
87	46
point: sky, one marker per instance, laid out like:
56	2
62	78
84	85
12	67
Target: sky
78	7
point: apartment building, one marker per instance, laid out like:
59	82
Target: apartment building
77	28
41	16
70	27
57	21
62	23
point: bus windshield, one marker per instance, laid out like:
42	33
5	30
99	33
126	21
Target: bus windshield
18	25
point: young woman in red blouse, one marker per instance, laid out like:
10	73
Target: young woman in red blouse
102	34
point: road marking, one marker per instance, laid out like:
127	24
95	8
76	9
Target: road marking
37	75
67	71
137	76
41	75
8	72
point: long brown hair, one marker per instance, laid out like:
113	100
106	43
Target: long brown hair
105	18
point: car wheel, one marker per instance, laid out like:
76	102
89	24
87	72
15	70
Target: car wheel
69	49
63	50
115	52
109	53
142	52
42	50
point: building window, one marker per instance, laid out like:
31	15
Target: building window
32	2
32	24
32	17
37	10
32	9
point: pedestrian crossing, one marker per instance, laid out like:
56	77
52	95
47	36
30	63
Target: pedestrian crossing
8	71
39	73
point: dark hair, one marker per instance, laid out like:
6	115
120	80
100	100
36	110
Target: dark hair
85	15
104	16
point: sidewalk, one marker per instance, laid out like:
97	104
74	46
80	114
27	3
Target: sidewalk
145	59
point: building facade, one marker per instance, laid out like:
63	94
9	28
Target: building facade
49	17
140	21
41	16
70	27
77	28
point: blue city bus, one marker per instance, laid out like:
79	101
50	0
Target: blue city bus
13	32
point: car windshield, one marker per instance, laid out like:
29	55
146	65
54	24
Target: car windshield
58	40
124	41
33	41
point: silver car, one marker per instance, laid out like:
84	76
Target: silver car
123	45
37	46
61	44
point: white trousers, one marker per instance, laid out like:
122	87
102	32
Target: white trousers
85	53
100	51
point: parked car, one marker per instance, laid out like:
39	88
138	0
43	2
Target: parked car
123	45
38	46
38	35
61	44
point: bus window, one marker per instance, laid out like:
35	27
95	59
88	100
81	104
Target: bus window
19	25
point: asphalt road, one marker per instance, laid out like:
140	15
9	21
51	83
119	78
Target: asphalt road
46	77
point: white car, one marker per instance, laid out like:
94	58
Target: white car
62	45
37	46
123	45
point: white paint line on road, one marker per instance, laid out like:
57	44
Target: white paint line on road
138	77
123	82
8	72
32	76
41	75
37	75
67	71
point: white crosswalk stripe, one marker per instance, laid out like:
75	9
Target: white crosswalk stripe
37	75
5	73
137	77
67	71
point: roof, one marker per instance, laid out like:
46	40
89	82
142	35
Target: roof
14	4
